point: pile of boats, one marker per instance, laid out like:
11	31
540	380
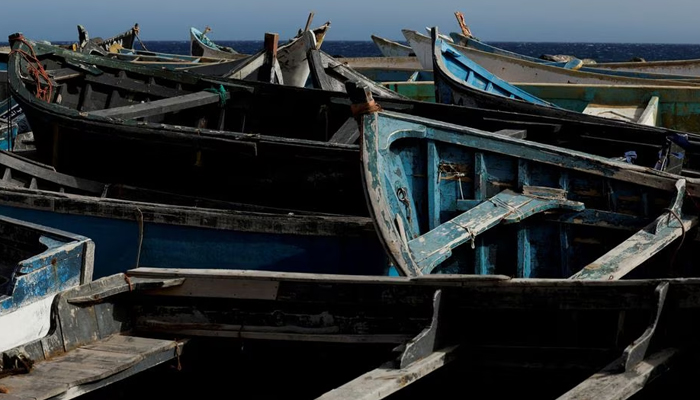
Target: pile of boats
451	208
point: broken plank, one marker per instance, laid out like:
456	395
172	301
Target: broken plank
160	107
610	384
382	382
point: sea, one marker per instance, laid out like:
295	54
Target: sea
600	52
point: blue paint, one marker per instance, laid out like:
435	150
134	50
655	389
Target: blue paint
3	66
463	69
536	237
175	246
53	261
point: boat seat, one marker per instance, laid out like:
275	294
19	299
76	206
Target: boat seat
163	106
432	248
61	74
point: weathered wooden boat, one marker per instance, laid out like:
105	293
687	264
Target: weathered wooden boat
689	68
135	226
473	43
281	158
124	40
620	335
452	199
202	46
390	48
515	70
459	80
37	263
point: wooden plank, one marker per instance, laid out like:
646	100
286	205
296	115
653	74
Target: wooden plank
634	251
14	162
266	72
383	381
436	245
514	133
318	74
348	133
60	74
159	107
67	375
133	85
649	116
611	384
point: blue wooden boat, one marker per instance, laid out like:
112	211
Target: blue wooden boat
38	262
458	80
135	226
517	70
452	199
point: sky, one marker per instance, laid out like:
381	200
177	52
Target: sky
612	21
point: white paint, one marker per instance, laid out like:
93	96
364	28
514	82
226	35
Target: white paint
25	325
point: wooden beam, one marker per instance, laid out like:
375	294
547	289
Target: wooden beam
514	133
14	162
318	73
384	381
634	251
133	85
613	384
266	72
159	107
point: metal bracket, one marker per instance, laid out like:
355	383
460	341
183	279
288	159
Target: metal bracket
428	340
636	351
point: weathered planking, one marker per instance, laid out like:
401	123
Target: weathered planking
163	106
613	384
382	382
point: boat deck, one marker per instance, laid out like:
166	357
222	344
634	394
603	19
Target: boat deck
89	367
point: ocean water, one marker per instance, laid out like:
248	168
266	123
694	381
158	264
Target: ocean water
601	52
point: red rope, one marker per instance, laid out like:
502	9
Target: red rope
37	70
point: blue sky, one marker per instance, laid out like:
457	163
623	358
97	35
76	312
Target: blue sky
632	21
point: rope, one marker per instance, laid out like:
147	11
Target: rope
221	92
680	221
140	221
127	279
37	71
365	108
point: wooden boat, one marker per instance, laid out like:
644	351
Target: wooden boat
473	43
668	106
522	71
579	339
38	263
135	226
689	68
452	199
390	48
279	146
202	46
124	40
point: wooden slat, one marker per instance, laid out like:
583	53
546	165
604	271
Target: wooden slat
133	85
609	384
29	167
64	375
60	74
641	246
159	107
382	382
514	133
